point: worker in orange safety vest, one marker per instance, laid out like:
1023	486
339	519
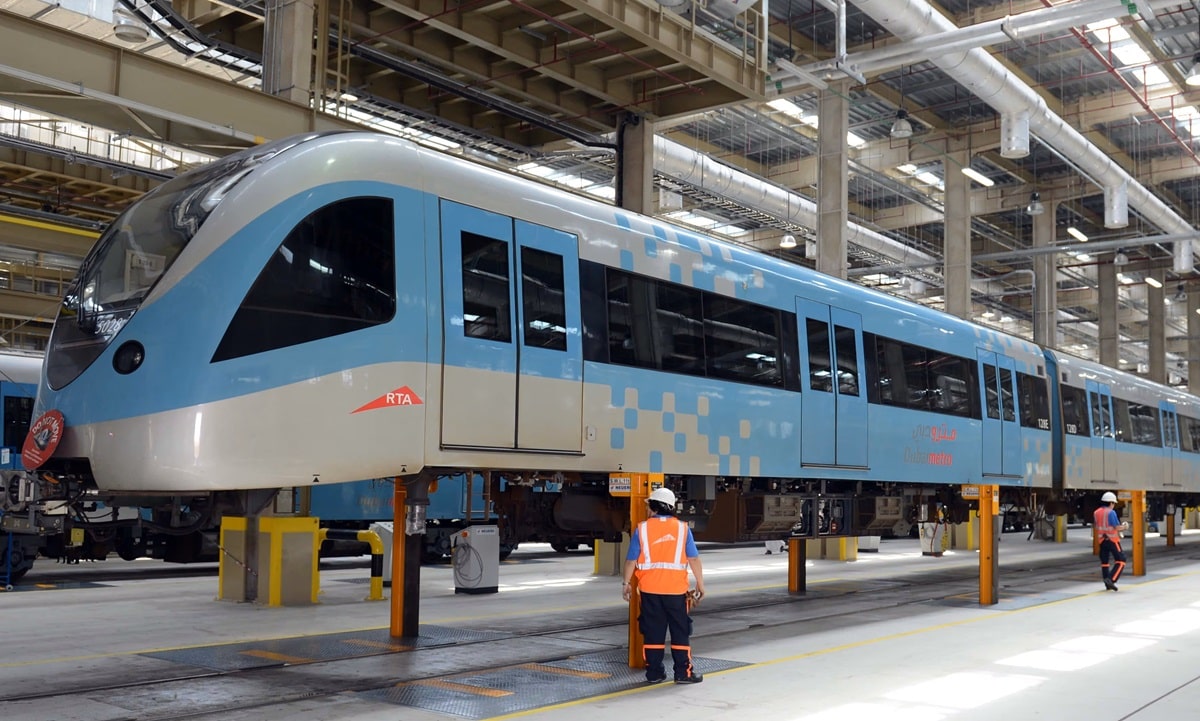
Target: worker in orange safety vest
1108	530
661	551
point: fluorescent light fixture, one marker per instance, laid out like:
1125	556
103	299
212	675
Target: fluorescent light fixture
1153	282
1077	234
978	177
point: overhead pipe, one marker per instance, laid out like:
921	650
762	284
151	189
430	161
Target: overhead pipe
956	39
989	80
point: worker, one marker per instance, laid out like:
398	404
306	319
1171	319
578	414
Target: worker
660	552
1108	530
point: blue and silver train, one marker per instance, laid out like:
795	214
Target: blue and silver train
339	306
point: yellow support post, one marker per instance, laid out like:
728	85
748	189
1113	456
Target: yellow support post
1170	521
989	505
640	486
399	501
1137	511
797	558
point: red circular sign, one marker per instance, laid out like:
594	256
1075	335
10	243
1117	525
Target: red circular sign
42	440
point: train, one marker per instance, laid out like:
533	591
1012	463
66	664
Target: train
337	306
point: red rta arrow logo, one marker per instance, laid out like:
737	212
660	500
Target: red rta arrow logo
402	396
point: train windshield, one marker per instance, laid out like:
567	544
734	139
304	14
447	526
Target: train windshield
133	253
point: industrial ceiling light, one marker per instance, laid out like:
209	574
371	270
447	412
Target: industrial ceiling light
128	28
901	128
1193	77
787	241
1152	281
978	177
1077	234
1180	293
1120	258
1035	206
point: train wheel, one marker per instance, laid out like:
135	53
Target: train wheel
506	550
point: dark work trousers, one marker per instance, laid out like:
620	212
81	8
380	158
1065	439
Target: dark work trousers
1108	549
660	613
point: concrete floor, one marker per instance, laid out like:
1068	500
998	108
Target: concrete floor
908	642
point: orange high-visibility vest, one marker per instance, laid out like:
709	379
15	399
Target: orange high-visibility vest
662	566
1105	531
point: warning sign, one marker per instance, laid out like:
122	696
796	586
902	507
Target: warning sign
402	396
42	439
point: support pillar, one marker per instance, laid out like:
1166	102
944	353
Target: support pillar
1193	339
956	259
408	511
833	173
1156	327
1170	525
635	163
1137	516
797	568
640	486
989	544
1106	308
288	49
1045	288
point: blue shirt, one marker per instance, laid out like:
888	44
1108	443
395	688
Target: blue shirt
635	544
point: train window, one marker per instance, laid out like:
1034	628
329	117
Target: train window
846	348
1101	422
950	379
543	299
820	370
1035	401
741	341
990	393
1190	437
334	273
1074	410
487	295
680	329
1143	424
1170	430
1006	395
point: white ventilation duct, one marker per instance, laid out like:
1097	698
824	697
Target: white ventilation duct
1116	206
695	168
988	79
1014	134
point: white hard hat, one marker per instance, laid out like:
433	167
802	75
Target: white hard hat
663	495
1108	497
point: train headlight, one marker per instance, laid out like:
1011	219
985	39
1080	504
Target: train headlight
128	357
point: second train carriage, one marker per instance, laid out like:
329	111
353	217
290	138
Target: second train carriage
339	306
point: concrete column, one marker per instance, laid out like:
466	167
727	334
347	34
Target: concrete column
635	163
1106	310
1156	327
833	120
956	261
1045	295
1193	338
288	49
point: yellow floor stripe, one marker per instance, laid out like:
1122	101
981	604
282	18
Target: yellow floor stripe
465	688
272	656
564	671
378	644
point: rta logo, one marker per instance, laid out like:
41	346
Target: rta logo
402	396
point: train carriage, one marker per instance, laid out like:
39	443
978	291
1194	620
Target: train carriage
347	305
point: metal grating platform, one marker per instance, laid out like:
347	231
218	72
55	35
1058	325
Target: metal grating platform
326	647
527	686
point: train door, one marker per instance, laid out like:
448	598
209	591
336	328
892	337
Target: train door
512	353
1104	444
1001	430
834	402
1170	441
